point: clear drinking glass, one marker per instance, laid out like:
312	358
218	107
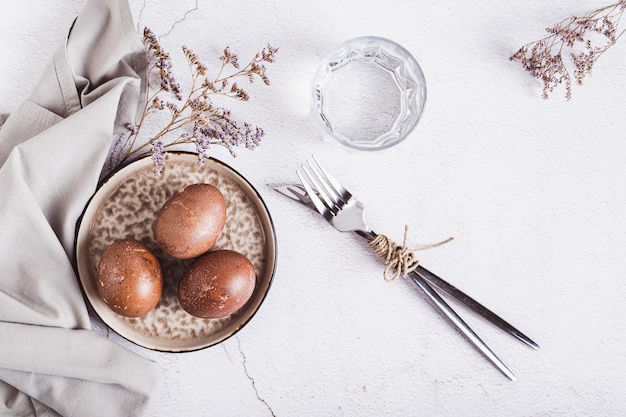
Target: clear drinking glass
369	94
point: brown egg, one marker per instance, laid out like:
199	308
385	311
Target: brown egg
217	284
191	221
129	278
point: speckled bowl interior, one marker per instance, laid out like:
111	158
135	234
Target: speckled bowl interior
126	206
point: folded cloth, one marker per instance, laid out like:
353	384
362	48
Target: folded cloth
52	149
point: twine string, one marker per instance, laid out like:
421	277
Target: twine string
399	260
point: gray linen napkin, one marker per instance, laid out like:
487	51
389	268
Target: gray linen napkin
52	149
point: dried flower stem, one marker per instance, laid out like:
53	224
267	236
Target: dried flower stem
592	34
193	119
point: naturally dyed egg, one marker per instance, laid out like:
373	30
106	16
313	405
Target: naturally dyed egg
217	284
129	278
191	221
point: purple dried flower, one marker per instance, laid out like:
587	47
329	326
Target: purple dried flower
230	58
585	37
194	118
159	155
132	128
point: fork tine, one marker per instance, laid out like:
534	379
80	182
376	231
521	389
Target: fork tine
344	195
318	184
327	186
320	205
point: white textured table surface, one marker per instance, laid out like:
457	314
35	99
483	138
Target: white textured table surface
532	190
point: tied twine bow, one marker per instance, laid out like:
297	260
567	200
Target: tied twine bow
399	260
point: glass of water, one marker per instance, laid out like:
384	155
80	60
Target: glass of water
369	94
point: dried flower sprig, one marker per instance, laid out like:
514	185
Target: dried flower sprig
584	39
192	119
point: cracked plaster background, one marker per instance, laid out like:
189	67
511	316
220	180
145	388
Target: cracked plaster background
322	345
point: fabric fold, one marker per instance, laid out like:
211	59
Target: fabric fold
52	150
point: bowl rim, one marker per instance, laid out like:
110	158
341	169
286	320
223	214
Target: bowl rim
80	235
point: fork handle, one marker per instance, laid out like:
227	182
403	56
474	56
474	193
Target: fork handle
450	314
475	306
459	323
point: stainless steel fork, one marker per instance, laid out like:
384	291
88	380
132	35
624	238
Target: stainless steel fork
346	213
